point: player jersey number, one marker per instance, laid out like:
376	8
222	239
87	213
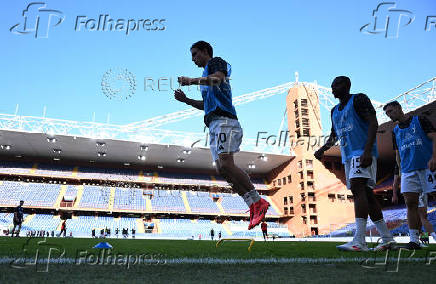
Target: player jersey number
355	162
222	137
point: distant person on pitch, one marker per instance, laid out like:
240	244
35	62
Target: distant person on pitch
18	218
414	140
354	122
63	228
225	132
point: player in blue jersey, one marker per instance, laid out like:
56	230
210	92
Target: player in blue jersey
225	132
414	140
354	123
18	219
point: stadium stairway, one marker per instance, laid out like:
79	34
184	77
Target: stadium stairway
157	227
213	178
79	195
28	218
141	176
112	199
185	201
34	168
148	206
272	204
227	229
75	171
58	228
60	196
155	177
220	207
140	225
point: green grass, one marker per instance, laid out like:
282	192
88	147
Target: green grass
165	272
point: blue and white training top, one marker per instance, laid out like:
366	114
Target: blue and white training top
351	130
414	147
217	99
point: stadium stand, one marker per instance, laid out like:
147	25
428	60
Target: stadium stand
15	167
58	170
95	197
44	222
34	194
127	175
129	199
201	202
168	201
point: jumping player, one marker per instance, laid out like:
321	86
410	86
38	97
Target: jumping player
416	156
18	218
225	132
354	122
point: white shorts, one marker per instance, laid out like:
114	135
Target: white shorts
418	181
431	181
353	170
423	200
225	136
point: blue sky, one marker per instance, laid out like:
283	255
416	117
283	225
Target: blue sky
264	41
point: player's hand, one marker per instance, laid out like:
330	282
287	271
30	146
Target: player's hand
184	81
319	154
365	160
432	164
180	95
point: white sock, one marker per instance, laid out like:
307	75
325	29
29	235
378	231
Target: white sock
254	195
359	235
383	230
247	198
433	235
414	235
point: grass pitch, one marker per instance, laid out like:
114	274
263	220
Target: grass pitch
184	261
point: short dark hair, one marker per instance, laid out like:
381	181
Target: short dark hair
346	79
202	45
393	103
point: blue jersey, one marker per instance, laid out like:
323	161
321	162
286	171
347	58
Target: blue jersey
20	213
414	147
351	130
218	98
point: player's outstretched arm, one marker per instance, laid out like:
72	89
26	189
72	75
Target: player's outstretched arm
181	97
212	80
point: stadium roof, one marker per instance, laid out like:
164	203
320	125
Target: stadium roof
70	149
